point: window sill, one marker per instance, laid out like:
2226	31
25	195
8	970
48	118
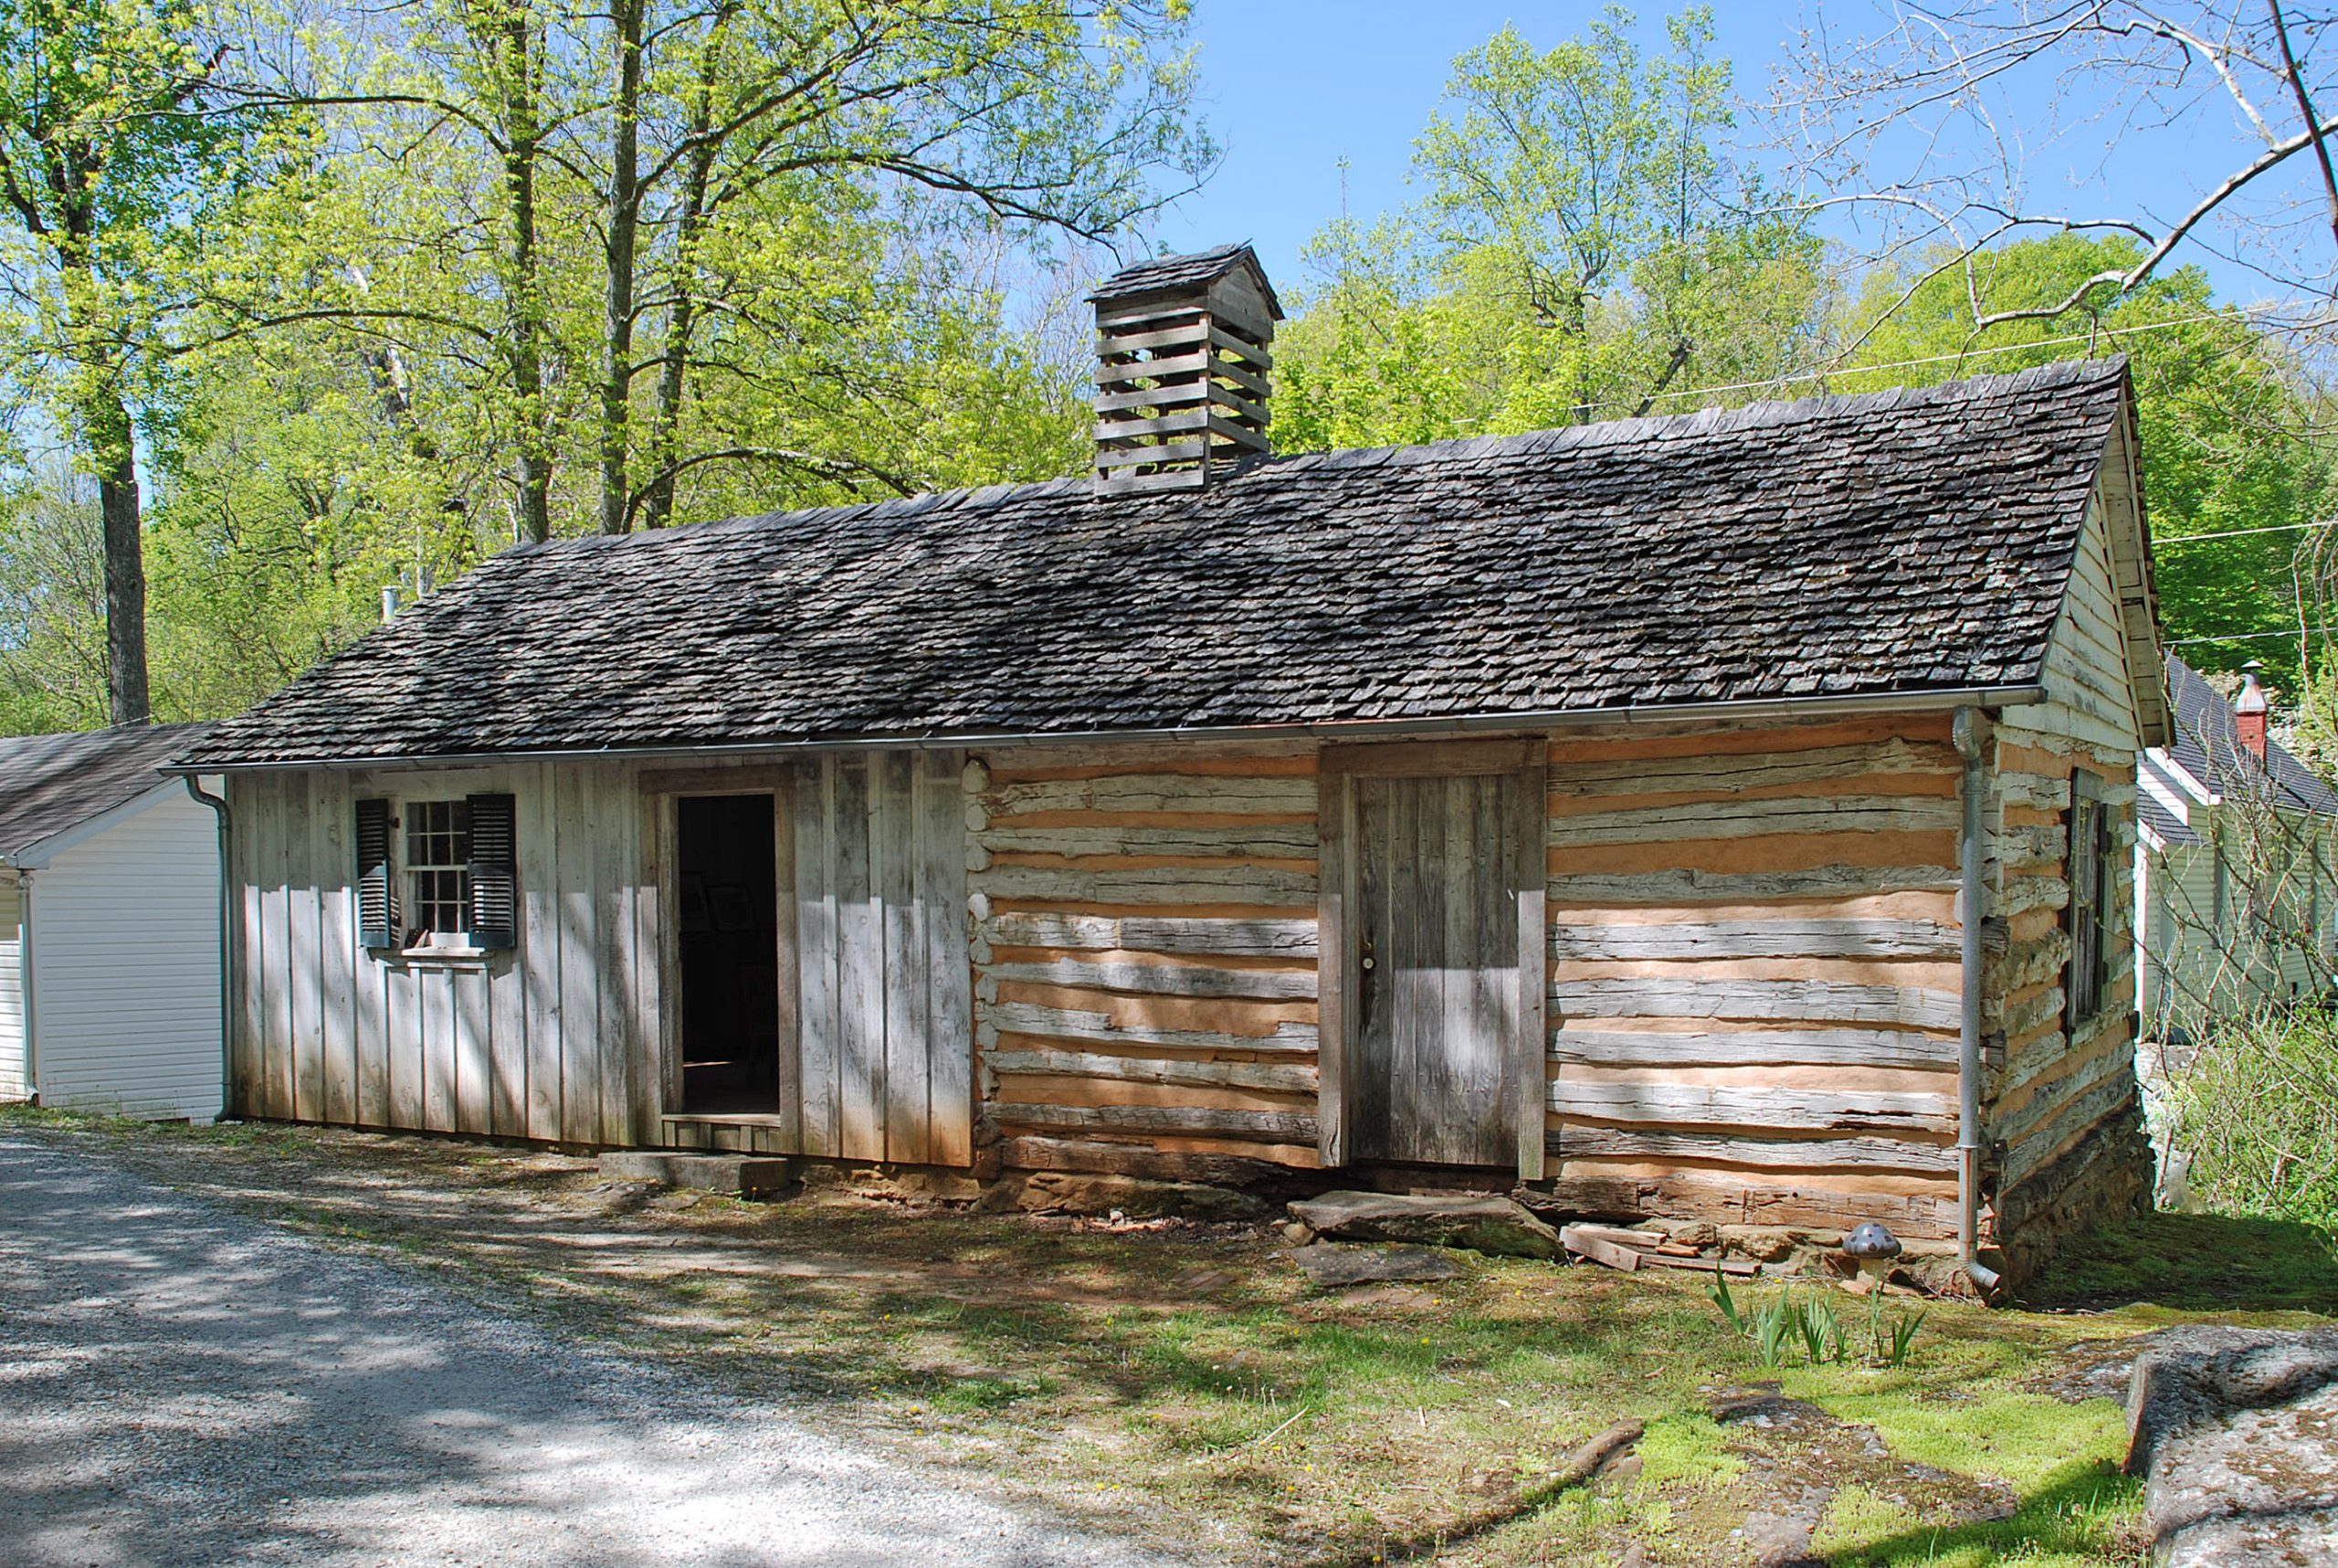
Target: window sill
464	957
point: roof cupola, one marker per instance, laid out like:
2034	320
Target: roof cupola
1182	367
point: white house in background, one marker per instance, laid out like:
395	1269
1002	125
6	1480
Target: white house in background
2231	914
109	926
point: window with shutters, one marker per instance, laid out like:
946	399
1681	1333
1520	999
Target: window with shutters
437	874
437	867
2091	864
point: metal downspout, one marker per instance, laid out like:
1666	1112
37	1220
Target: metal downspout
227	939
1970	911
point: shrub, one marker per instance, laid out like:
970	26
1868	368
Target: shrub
2256	1106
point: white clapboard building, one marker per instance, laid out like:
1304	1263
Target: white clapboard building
109	926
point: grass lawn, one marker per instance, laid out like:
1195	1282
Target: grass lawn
1183	1381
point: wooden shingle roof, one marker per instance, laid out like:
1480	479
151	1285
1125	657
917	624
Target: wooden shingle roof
1905	542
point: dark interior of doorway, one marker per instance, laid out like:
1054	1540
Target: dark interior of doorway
727	924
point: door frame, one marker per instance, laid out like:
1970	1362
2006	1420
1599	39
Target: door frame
1337	976
662	791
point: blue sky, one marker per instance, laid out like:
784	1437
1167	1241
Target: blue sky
1291	86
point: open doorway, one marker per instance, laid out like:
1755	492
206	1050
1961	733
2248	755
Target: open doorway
728	930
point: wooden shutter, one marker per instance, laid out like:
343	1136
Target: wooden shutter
377	896
494	872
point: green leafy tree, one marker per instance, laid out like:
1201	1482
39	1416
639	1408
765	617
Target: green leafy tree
1586	248
2228	418
113	158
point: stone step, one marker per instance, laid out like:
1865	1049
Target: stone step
736	1176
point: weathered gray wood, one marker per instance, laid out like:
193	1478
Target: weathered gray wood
435	999
1741	818
474	1053
1071	1024
1437	920
1202	935
1429	759
577	831
1335	966
1766	1047
948	969
1091	1155
248	1029
336	937
1798	1108
1283	1078
613	874
1526	794
276	934
1266	1126
787	960
901	952
1222	794
1576	1142
402	1027
1799	937
819	938
1259	887
1720	773
542	938
507	983
645	989
303	973
860	998
1800	1001
1287	840
1164	979
1575	890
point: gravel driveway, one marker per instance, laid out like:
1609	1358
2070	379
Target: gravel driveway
179	1384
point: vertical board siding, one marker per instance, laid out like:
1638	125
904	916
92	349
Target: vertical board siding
554	1039
148	886
882	1019
1145	953
1755	974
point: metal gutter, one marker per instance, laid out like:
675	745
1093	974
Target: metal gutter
227	929
1355	730
1970	913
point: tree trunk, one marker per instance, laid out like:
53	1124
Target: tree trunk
108	439
681	317
515	53
116	460
624	216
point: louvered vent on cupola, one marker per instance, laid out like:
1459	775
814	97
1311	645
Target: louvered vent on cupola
1181	367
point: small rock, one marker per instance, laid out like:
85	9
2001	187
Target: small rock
1478	1221
1763	1243
1334	1265
1297	1233
1690	1231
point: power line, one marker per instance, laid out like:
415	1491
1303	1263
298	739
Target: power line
2251	636
2089	337
2240	532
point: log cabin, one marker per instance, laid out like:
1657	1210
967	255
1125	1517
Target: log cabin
1722	816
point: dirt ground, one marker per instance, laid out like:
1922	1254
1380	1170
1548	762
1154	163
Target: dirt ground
1182	1382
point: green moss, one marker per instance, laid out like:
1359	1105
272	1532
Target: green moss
2196	1262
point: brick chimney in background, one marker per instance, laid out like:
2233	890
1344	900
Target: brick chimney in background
1181	360
2249	710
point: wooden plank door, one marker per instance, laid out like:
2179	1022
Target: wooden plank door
1433	883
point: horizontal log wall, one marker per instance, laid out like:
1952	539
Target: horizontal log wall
2062	1112
555	1039
1755	974
1145	958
